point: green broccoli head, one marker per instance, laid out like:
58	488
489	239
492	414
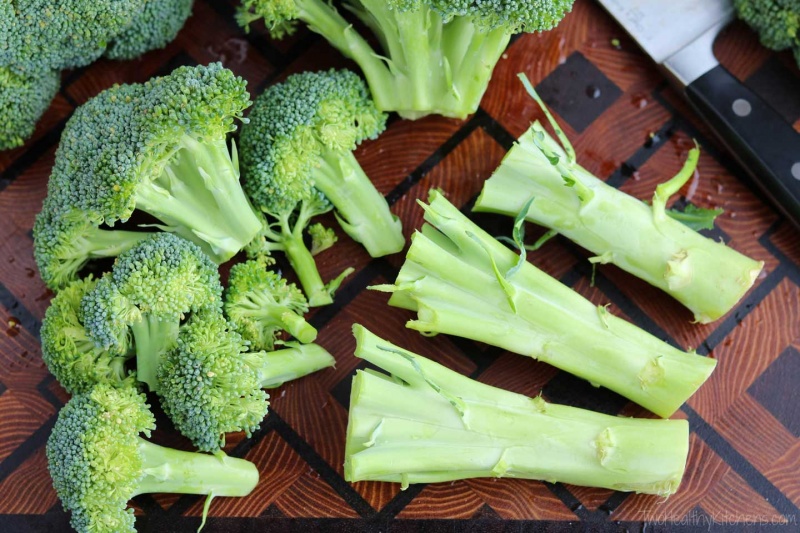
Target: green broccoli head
322	238
206	386
260	305
94	459
64	34
161	147
278	15
293	123
777	22
513	16
162	278
70	354
154	27
24	97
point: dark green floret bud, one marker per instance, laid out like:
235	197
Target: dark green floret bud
23	99
154	27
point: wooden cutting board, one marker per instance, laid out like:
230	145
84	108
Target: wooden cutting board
629	127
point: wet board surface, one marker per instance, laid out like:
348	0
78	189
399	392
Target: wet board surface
629	127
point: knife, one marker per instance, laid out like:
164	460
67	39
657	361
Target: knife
679	35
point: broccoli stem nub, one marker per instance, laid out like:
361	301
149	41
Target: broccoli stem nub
198	196
175	471
276	368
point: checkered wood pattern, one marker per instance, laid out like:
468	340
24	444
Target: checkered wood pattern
630	128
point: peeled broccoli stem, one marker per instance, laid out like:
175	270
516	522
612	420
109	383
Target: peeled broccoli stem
431	68
153	336
704	275
198	196
461	282
428	423
261	306
361	210
277	367
174	471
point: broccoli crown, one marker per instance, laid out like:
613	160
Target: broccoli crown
125	136
164	277
512	15
776	21
322	238
70	354
23	99
278	15
94	458
256	300
290	126
64	34
155	26
206	387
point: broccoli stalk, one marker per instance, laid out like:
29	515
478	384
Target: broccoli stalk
299	142
540	181
463	282
283	232
260	304
293	362
98	461
426	423
152	287
210	385
437	55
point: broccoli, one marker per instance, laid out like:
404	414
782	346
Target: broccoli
777	22
98	461
210	385
543	179
152	287
70	354
427	423
322	238
43	34
260	304
462	281
24	97
66	239
300	138
437	55
283	231
154	27
160	147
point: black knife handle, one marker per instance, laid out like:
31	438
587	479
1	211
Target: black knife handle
763	142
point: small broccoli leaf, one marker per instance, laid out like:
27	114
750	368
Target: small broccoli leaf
508	288
694	217
518	234
334	284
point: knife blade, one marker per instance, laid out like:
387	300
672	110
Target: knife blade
679	35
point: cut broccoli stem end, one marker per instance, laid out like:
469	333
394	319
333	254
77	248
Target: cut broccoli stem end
278	367
427	423
298	328
199	197
175	471
153	337
361	210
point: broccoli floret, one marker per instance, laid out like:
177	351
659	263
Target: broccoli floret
282	231
44	34
426	423
98	461
322	238
777	22
70	354
260	305
66	239
161	147
152	287
301	138
23	99
209	385
437	55
154	27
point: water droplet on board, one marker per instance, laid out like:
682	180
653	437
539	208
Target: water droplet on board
639	100
593	92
